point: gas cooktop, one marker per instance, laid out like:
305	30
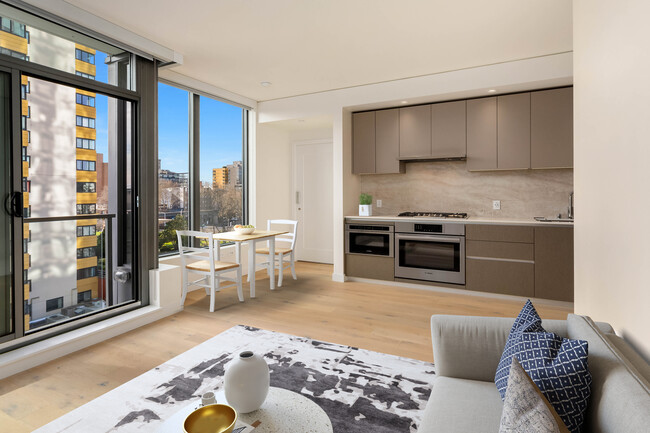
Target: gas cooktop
434	214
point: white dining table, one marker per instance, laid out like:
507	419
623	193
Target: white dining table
252	239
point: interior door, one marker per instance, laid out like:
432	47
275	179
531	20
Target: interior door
312	167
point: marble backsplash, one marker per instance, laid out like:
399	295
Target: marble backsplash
449	187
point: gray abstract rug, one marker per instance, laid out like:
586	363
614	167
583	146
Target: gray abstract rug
361	391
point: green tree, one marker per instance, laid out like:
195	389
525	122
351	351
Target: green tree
167	240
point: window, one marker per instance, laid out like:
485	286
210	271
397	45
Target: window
86	273
27	185
24	90
84	165
84	296
85	143
85	56
84	75
14	27
83	253
25	246
85	231
86	122
16	54
23	122
27	307
86	209
54	304
86	187
85	100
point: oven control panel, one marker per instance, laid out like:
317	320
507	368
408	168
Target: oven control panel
427	228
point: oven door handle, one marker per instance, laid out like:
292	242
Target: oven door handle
428	238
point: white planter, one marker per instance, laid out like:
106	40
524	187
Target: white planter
246	382
365	210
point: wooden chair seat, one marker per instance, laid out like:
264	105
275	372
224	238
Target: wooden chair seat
204	266
277	250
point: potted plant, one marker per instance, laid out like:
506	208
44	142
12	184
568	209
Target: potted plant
365	205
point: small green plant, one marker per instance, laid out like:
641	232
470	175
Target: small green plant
365	198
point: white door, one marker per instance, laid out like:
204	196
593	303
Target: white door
312	174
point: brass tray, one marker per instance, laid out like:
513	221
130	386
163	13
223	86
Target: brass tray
214	418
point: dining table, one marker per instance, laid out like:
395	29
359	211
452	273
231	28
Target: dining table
252	239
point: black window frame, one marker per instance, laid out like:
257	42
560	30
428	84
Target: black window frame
86	164
54	304
84	56
84	296
88	101
86	143
82	185
88	120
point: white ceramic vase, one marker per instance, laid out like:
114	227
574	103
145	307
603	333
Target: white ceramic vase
365	210
246	382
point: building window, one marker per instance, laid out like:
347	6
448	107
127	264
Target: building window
86	187
85	143
85	100
85	231
86	122
83	165
27	185
54	304
84	56
84	75
24	90
86	273
11	26
27	307
84	296
86	209
15	54
84	253
23	122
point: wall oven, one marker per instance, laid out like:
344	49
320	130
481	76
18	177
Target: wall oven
370	239
430	252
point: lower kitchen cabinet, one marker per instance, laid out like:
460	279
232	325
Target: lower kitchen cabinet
374	267
500	276
554	263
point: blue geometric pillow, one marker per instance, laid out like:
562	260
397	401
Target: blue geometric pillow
527	321
558	366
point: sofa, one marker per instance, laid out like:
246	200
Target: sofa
466	352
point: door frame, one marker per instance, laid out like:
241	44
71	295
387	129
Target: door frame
294	186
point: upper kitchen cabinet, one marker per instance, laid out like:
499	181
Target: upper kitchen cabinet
415	132
375	142
482	134
552	128
363	142
448	130
513	131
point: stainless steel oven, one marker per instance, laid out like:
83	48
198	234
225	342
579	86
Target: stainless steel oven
430	252
370	239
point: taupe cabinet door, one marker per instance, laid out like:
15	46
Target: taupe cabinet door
552	128
554	263
513	131
363	142
482	134
415	131
448	130
387	142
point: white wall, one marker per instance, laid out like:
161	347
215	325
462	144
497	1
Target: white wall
612	165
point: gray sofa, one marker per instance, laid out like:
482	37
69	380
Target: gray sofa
466	352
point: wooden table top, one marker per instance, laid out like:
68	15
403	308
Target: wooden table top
257	234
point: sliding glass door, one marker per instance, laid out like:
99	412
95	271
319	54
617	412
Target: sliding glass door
6	225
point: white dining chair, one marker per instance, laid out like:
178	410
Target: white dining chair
194	261
281	252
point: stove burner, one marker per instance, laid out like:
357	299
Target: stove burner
434	214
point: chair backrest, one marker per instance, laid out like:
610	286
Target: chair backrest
195	239
289	237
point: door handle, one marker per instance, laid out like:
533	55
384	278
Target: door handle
14	204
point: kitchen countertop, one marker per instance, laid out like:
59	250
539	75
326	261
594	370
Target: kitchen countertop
470	220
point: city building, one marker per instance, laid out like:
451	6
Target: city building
230	175
219	177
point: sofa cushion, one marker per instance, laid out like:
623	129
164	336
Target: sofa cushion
620	397
525	409
558	366
461	405
527	321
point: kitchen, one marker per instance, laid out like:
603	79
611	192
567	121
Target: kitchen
495	163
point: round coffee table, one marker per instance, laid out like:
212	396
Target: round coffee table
283	411
287	411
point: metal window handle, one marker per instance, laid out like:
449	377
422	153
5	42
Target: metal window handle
14	204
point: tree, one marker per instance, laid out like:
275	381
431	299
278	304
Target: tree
167	239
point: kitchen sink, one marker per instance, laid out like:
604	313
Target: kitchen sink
554	220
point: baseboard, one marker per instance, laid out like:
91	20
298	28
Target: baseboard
339	278
44	351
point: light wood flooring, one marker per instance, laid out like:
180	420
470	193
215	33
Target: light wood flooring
382	318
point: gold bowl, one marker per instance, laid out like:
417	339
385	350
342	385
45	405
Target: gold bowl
214	418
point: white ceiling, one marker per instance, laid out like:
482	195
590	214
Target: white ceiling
309	46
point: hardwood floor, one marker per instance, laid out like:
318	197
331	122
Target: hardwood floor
382	318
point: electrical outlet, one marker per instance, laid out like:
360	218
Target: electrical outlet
378	203
496	204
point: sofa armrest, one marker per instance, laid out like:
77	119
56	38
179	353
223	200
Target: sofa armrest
469	347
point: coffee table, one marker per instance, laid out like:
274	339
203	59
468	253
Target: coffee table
283	412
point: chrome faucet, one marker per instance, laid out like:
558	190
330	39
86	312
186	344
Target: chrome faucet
570	205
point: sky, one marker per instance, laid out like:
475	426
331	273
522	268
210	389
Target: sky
220	130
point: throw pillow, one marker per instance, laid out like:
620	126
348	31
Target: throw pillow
527	321
525	409
558	366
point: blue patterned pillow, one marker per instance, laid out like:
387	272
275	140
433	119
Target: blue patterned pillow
558	366
527	321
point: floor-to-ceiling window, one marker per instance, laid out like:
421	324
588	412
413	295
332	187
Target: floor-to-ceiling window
202	147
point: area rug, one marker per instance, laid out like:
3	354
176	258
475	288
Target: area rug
361	391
